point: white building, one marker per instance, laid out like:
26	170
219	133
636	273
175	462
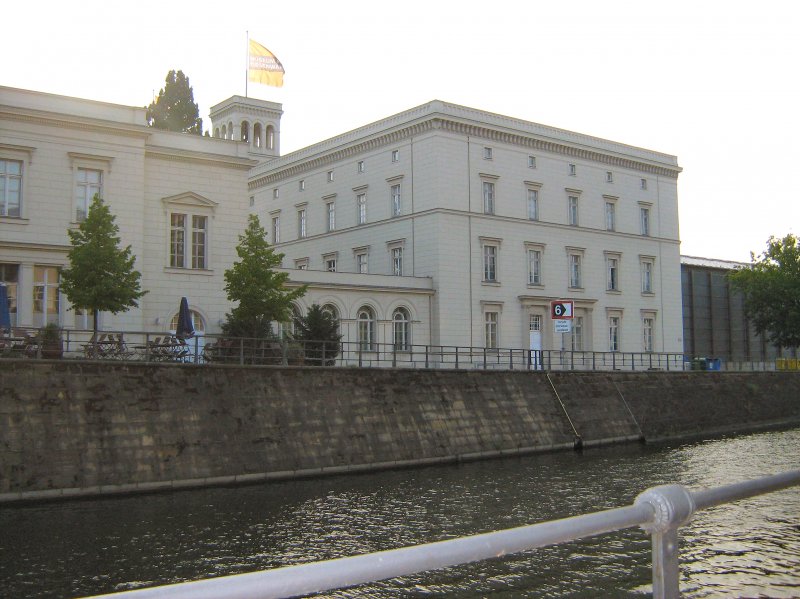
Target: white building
439	225
502	215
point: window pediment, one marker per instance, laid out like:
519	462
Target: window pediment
189	198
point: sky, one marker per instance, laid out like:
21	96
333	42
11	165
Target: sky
715	83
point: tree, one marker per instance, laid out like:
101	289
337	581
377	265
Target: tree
100	276
175	108
319	332
259	290
771	290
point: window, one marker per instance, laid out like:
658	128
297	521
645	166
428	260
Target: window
302	185
648	329
301	264
9	274
252	201
643	183
575	280
490	263
535	322
573	170
199	239
534	266
178	241
196	319
89	182
488	197
612	272
577	334
609	177
329	260
572	204
397	206
45	295
366	328
361	206
397	261
275	194
613	333
533	204
491	320
401	329
360	167
332	311
331	210
644	219
611	216
395	155
330	176
531	161
361	262
276	229
301	222
10	187
84	318
487	153
647	275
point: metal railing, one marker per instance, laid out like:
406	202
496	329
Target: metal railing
220	349
660	511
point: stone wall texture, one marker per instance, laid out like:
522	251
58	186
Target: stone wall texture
71	428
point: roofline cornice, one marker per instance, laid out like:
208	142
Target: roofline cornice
165	153
63	121
296	163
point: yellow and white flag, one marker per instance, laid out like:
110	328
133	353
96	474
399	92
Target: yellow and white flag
264	67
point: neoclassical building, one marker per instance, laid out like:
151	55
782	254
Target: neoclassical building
440	225
501	215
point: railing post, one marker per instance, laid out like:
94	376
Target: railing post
394	355
484	358
426	356
456	357
673	507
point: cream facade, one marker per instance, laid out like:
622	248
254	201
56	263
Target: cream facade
502	215
180	201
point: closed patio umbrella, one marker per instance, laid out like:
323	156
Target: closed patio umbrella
185	329
5	314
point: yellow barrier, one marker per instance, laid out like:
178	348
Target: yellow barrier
787	364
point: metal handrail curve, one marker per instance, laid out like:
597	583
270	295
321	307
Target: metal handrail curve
661	511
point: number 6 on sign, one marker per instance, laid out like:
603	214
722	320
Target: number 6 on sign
561	309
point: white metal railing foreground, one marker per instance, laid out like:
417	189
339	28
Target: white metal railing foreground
660	511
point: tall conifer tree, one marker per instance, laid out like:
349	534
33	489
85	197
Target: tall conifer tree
175	108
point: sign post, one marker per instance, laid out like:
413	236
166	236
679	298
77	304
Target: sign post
562	312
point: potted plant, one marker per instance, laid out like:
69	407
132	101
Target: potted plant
50	341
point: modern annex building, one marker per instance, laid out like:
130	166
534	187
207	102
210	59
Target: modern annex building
439	225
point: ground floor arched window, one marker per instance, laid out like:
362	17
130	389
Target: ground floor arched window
366	328
401	329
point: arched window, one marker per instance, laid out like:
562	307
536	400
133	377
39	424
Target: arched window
245	131
197	322
257	141
401	328
366	328
230	130
224	132
332	311
290	328
270	137
216	132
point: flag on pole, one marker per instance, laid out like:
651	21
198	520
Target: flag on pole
264	67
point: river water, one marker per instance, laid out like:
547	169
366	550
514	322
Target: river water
747	549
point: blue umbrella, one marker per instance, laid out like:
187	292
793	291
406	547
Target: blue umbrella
185	329
5	314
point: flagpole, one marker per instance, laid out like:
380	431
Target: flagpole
246	61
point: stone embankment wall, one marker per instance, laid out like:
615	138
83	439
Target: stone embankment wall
72	428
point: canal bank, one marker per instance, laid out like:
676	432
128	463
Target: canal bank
70	428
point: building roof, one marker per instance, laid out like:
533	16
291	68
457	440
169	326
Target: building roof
711	263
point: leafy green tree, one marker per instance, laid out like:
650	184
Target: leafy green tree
259	290
319	332
100	276
175	108
771	290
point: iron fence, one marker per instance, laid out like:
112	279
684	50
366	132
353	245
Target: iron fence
220	349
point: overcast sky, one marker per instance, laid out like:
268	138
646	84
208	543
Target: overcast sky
716	84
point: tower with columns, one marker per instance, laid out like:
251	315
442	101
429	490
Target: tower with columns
257	122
